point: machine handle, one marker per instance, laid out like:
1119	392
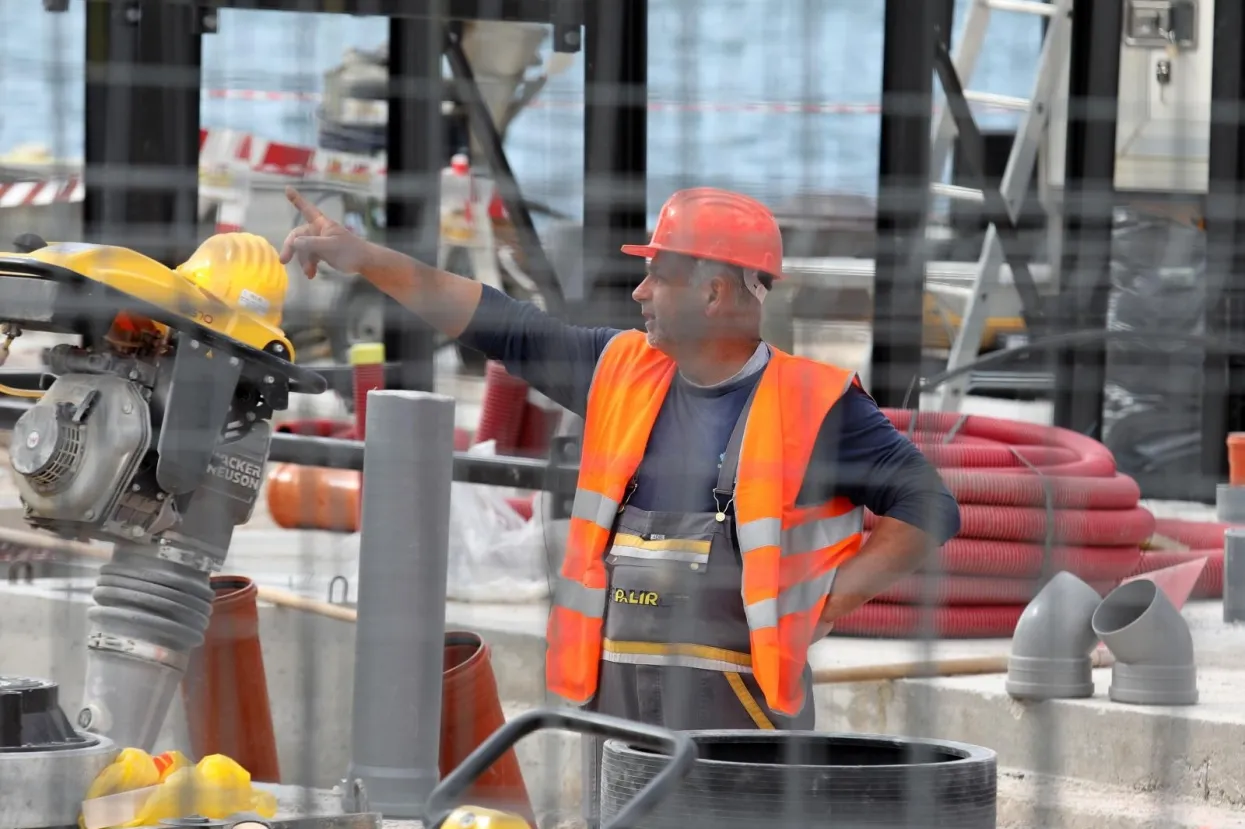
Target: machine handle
678	745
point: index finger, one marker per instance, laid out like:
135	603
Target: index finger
310	212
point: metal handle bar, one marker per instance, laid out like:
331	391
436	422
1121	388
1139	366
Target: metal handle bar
679	746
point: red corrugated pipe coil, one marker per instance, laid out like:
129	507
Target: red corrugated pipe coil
1033	500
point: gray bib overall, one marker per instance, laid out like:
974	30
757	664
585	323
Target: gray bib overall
677	648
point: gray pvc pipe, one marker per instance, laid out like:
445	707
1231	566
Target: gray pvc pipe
1151	643
1050	657
400	634
1230	503
1234	575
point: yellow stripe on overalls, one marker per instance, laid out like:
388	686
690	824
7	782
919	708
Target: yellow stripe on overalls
693	656
748	701
672	545
678	655
661	549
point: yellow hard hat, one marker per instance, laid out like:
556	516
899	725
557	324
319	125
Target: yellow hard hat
242	270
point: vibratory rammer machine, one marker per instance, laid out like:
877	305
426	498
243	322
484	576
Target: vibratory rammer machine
152	435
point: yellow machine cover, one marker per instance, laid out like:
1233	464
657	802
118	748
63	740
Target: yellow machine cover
234	284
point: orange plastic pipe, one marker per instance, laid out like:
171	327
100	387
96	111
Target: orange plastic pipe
225	689
319	498
470	712
1236	458
314	498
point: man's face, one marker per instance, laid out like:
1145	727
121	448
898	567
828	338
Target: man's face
676	311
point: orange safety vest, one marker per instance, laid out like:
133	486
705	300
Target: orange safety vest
789	553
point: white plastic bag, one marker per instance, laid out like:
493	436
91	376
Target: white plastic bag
495	555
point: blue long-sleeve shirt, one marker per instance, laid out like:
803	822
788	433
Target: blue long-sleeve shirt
858	454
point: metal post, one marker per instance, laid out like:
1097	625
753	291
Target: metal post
141	171
1223	394
615	156
903	200
494	151
416	154
400	633
1089	197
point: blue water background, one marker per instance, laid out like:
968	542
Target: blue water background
718	51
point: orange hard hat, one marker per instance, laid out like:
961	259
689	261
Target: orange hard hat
714	224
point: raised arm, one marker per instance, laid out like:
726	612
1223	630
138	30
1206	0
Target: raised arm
557	359
443	300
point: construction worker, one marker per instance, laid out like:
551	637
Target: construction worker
717	528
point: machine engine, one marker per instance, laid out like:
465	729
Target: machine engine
88	459
152	434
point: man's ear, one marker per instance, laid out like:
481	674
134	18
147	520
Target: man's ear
719	298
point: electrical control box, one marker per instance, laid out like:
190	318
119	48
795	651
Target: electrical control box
1163	120
1157	24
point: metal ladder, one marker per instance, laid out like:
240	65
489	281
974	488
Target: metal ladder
1031	137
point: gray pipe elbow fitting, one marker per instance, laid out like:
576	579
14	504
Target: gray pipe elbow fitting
1152	645
1050	657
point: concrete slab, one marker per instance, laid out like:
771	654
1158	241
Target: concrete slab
1192	753
1029	801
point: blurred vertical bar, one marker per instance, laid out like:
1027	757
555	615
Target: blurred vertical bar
615	156
1088	198
416	154
903	198
141	171
1223	394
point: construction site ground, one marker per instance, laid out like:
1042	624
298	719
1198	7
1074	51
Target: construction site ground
1068	763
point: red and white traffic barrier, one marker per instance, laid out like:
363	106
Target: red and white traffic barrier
40	193
224	155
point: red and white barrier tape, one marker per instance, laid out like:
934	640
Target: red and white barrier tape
223	156
788	107
40	193
225	153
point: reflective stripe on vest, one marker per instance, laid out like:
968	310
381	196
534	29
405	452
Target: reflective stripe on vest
790	554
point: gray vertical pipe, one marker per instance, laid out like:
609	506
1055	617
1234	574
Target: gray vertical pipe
408	464
1234	575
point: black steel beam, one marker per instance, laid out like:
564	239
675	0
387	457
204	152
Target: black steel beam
1223	394
558	476
615	158
523	473
536	263
903	199
416	155
517	11
1089	199
141	172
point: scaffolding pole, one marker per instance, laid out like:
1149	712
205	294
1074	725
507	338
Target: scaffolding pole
615	157
141	170
903	199
415	156
1089	199
1223	392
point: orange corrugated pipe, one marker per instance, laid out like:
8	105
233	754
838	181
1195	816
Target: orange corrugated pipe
502	409
470	712
225	689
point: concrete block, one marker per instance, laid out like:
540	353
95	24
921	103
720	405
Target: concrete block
1098	752
1191	752
1028	800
